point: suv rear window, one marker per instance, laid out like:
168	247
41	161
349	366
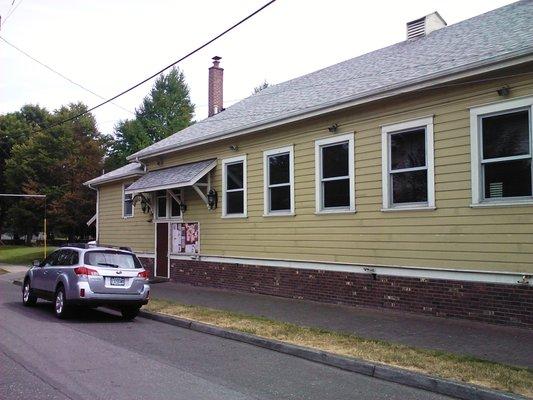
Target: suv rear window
113	259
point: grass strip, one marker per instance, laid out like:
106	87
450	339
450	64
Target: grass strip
22	255
437	363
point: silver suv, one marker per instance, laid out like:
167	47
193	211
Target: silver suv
84	275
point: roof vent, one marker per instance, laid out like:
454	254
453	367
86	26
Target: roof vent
425	25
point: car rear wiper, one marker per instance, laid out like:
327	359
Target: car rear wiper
109	265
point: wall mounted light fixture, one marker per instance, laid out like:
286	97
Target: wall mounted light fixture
504	91
333	128
212	199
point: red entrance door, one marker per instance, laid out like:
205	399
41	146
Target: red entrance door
161	268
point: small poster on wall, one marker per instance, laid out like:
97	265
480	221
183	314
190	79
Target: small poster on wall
186	238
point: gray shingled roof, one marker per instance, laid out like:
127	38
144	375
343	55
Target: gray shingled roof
182	175
132	169
485	39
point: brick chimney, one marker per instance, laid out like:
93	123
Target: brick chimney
216	86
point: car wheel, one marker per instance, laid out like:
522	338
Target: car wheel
61	307
28	298
129	314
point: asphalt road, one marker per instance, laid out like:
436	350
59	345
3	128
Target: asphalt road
97	356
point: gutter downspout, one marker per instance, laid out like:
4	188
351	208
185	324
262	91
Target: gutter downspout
140	162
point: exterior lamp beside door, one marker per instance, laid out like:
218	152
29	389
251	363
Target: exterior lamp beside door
183	207
212	199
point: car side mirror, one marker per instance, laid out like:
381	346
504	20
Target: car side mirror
36	263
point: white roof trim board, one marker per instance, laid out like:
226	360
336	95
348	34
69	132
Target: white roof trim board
129	170
172	178
483	42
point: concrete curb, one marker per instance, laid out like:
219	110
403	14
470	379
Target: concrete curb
391	374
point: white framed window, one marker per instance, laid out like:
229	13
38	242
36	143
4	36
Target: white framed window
334	174
278	172
161	204
234	187
501	153
127	203
167	205
408	175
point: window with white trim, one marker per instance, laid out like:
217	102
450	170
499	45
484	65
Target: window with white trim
175	197
408	165
501	137
234	202
166	205
334	174
278	168
161	204
127	203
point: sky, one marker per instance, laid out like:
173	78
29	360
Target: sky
107	46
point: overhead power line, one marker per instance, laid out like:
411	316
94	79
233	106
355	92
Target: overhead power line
61	75
163	69
11	12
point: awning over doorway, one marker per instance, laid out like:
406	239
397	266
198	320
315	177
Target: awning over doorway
172	178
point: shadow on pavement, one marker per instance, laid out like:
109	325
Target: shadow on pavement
44	310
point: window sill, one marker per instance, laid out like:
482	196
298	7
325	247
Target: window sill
516	203
326	212
235	216
127	216
286	214
394	209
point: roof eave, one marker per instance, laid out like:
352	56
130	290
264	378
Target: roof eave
96	182
505	61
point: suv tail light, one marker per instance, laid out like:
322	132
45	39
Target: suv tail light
143	274
85	271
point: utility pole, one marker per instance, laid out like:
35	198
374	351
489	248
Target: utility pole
39	196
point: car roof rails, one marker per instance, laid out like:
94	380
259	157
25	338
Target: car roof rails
124	248
77	245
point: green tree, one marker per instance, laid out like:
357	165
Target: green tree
167	109
15	128
56	162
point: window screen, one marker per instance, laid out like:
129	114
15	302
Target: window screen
235	188
335	176
506	155
408	166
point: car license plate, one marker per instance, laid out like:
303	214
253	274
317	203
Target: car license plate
118	281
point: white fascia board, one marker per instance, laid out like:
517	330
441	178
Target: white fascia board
403	88
511	278
95	182
145	255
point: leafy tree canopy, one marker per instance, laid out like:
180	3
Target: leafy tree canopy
167	109
54	162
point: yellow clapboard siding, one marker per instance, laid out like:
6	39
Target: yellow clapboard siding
452	236
135	232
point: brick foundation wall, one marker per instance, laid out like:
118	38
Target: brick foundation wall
486	302
148	264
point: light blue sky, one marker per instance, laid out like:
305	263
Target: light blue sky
109	45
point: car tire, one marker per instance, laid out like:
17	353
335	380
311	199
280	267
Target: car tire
61	306
28	297
129	313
